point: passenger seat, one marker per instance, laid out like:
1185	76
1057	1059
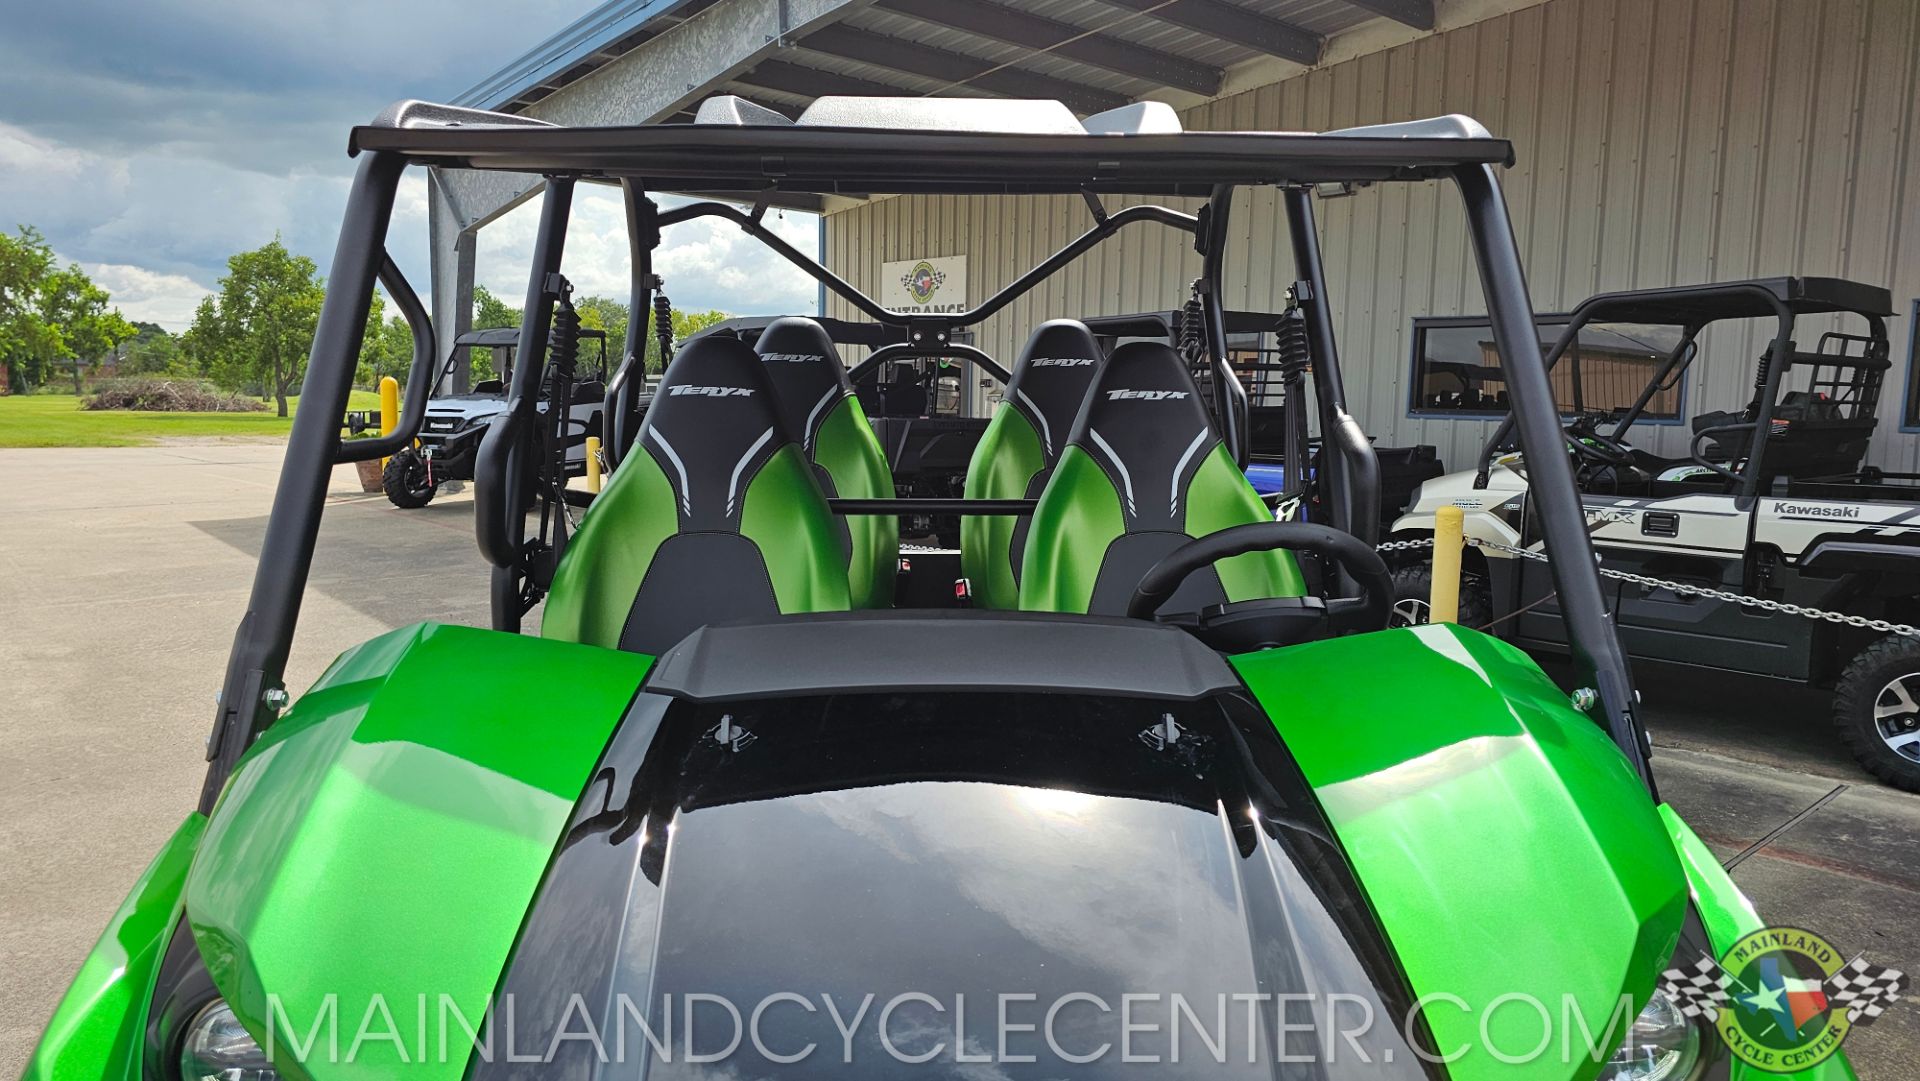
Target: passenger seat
714	515
1143	472
815	400
1019	450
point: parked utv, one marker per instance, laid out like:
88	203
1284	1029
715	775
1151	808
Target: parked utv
1718	555
450	436
1155	768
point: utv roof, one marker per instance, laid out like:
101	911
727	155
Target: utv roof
1697	304
510	336
1161	324
862	146
842	331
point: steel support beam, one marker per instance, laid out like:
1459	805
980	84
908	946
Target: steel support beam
677	68
911	57
1015	27
1229	22
1415	13
643	84
806	82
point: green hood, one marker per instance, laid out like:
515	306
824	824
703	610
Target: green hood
383	840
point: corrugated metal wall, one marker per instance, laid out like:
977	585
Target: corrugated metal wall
1660	142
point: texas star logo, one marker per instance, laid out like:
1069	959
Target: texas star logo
1144	395
1782	999
923	281
712	392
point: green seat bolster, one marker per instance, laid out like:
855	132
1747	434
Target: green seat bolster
784	515
847	449
605	562
1005	461
1077	519
1219	497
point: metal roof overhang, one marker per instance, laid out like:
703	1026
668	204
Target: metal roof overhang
857	161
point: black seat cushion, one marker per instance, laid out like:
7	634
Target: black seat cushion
1144	471
680	536
714	421
1050	378
805	371
1146	426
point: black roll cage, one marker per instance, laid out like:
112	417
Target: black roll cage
865	161
1693	308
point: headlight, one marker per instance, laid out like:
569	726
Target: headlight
217	1048
1662	1045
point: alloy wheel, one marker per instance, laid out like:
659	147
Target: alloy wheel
1896	714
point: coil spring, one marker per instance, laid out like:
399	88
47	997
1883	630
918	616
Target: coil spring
663	326
1193	341
1291	347
565	348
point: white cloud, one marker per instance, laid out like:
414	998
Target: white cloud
146	296
707	263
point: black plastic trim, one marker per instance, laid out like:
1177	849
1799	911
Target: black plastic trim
948	651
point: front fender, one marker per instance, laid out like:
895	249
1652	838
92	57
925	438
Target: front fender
375	852
96	1031
1505	845
1727	916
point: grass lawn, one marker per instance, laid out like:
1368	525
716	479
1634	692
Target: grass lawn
56	420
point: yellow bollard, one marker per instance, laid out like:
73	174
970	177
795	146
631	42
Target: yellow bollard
389	407
593	464
1444	602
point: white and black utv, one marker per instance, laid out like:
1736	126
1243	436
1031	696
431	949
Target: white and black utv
1757	543
450	434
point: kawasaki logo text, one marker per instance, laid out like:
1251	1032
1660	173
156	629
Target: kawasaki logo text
1816	510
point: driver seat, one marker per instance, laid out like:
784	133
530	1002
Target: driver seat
816	402
719	519
1143	472
1018	451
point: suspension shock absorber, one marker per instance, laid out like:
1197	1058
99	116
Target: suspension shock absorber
1294	353
663	327
1193	335
563	356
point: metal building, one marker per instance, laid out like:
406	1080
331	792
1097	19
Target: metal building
1659	142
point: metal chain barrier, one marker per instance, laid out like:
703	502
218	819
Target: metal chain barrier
1879	625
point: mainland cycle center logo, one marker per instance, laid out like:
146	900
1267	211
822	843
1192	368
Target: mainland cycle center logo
923	281
1783	999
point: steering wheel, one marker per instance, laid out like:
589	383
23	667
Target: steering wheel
1584	438
1257	624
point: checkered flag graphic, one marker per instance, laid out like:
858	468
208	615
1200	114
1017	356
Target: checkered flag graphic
1864	990
1700	991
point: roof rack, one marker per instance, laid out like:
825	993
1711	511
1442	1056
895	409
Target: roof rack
864	146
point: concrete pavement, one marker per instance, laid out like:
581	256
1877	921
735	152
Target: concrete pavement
123	574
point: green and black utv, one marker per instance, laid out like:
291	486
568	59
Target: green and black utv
725	788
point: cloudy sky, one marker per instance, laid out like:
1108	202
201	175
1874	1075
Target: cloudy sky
149	141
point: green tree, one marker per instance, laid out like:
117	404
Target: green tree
151	350
80	329
685	324
255	334
25	261
601	313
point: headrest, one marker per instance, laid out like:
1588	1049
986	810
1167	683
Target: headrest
1145	424
711	426
1050	379
805	371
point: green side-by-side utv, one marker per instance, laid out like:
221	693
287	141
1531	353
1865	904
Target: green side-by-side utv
1169	799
